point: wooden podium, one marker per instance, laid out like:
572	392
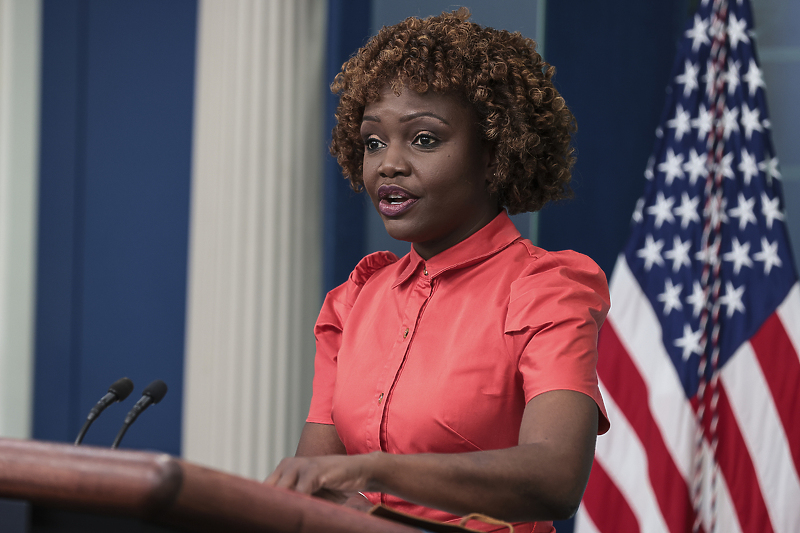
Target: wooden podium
88	489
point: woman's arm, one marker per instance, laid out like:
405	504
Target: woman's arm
543	478
319	439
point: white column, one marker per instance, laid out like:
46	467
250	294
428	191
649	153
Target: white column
254	274
20	31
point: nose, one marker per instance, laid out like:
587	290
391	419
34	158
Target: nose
394	162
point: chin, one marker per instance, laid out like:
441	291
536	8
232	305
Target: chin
399	231
399	235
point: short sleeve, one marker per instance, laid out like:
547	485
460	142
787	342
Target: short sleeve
328	333
554	315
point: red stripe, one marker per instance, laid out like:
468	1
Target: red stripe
606	505
781	367
629	390
737	468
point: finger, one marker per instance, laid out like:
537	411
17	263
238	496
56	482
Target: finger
287	480
276	474
285	475
309	480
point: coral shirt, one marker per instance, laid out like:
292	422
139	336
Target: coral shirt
441	356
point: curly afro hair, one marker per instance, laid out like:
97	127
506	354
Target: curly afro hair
500	73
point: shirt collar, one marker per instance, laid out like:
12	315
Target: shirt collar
487	241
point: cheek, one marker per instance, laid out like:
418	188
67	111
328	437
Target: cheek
369	179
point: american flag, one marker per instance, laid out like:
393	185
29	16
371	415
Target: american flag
699	357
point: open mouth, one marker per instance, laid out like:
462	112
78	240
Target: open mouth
394	200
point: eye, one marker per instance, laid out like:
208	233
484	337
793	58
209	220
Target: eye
372	143
426	140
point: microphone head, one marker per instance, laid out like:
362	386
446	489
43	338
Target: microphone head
121	388
156	390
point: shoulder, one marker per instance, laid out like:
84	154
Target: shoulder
565	267
370	264
340	300
559	280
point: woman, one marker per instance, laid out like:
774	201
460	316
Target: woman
461	377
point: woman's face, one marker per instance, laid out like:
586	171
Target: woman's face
426	169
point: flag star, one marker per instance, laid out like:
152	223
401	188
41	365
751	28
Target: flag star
766	123
771	209
697	299
637	212
703	121
730	121
737	31
731	76
662	210
679	255
672	167
744	211
708	255
768	255
689	78
739	256
671	297
726	166
690	342
688	210
748	166
680	122
696	166
751	120
715	210
651	253
648	172
698	33
732	299
753	77
770	168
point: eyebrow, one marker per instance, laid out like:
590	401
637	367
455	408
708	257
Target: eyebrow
407	118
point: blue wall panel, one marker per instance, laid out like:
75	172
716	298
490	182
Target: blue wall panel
344	238
117	102
613	61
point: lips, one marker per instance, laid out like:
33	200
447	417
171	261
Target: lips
394	200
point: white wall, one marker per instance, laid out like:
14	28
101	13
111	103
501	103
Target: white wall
20	30
255	252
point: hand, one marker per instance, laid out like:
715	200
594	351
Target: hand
333	477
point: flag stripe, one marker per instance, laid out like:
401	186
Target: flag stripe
789	312
627	387
725	516
639	330
623	518
624	447
763	427
584	523
737	468
782	380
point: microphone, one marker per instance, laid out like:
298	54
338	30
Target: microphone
151	394
117	392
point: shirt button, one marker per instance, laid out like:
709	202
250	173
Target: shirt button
380	398
425	271
405	333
